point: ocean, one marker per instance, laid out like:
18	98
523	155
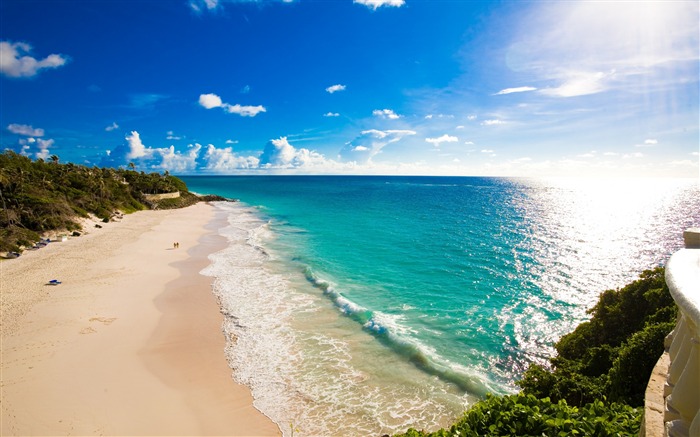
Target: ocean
365	305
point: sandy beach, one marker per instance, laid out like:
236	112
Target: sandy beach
130	343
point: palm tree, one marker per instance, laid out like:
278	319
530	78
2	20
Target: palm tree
54	159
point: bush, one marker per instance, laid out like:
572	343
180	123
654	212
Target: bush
526	415
614	353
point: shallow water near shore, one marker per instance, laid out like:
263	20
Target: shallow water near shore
367	305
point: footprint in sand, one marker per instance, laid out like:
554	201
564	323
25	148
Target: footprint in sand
103	320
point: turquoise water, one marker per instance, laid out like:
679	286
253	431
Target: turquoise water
370	304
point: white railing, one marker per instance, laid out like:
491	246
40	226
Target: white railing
682	388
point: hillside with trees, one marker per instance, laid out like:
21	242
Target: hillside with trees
41	196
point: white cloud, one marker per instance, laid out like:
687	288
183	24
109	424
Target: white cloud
15	60
460	127
649	142
136	147
471	143
225	160
335	88
198	5
486	151
231	141
374	4
244	111
385	113
174	161
431	116
36	147
210	101
112	127
279	154
583	47
520	89
171	136
331	114
471	117
369	143
580	83
443	139
492	122
26	130
166	158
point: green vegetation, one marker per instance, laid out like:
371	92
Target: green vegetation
39	196
526	415
613	354
609	357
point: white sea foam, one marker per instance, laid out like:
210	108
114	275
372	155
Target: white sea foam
308	367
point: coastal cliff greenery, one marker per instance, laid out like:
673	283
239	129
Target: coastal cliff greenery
41	196
595	385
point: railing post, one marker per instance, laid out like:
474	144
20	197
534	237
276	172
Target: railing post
682	388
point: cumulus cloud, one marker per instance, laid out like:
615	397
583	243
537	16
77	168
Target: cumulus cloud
335	88
520	89
369	143
37	148
152	158
226	160
16	60
279	153
385	113
112	127
26	130
443	139
374	4
210	101
331	114
136	147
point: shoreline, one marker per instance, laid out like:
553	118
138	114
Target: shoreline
130	343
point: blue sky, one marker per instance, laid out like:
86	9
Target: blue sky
355	87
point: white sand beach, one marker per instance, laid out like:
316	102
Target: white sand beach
130	343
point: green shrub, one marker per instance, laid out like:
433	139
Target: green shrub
614	353
526	415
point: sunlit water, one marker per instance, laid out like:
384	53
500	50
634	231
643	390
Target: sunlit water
367	305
